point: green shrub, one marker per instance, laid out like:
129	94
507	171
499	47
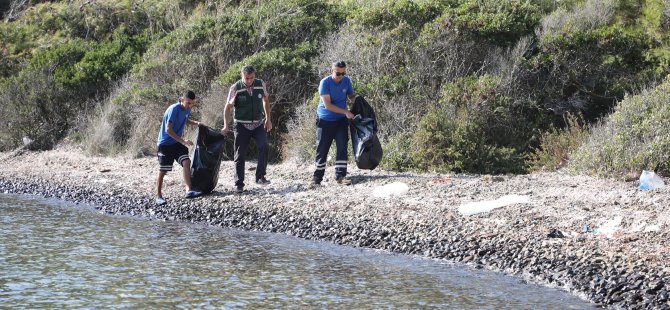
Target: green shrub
18	43
398	153
299	21
496	22
588	59
468	131
444	143
388	15
556	145
635	137
75	73
35	107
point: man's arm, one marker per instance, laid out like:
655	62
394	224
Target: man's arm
267	108
192	122
227	110
333	108
268	116
173	134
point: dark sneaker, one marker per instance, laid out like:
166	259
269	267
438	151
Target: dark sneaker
343	181
239	189
160	201
262	181
314	184
192	194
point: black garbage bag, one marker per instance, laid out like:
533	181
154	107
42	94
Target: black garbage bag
367	148
206	159
364	109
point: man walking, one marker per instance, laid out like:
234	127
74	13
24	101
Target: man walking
250	100
333	122
172	147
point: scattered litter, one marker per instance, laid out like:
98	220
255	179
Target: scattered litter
555	233
650	180
585	228
652	228
27	141
609	228
486	206
390	190
444	180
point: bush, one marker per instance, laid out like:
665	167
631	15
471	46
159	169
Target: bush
35	107
299	21
500	23
299	144
388	15
466	133
442	143
556	145
47	107
398	152
586	60
635	137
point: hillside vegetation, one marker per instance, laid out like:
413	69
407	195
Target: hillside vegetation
479	86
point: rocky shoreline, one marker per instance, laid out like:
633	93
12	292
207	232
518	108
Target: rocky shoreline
554	240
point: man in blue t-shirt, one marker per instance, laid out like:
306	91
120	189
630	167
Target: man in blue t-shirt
332	122
172	147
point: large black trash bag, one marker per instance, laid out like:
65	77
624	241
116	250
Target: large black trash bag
206	159
367	149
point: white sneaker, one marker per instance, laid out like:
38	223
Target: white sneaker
160	201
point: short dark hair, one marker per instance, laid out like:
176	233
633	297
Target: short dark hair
189	94
248	69
340	64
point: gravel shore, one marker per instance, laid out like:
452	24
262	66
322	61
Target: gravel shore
603	240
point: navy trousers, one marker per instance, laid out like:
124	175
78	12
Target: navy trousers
326	132
242	138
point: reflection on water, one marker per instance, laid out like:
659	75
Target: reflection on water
62	256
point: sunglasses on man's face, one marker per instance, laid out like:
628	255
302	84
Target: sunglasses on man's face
340	73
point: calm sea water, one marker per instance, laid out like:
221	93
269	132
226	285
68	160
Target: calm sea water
55	255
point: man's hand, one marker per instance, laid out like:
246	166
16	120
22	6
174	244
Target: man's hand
349	115
188	143
268	125
225	130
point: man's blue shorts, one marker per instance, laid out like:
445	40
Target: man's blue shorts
167	154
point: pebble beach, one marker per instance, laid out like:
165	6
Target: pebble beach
604	240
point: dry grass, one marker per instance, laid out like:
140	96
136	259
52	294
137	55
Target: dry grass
590	15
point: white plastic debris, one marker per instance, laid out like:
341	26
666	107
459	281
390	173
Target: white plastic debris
652	228
650	180
609	228
390	190
488	205
27	141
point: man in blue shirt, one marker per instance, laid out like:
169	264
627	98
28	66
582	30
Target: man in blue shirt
172	147
332	122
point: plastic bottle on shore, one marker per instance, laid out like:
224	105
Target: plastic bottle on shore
650	180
